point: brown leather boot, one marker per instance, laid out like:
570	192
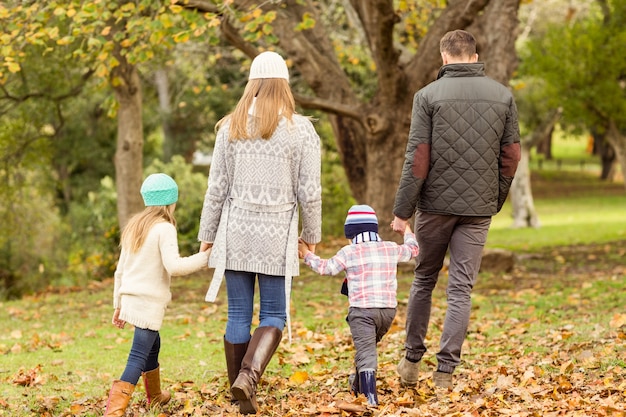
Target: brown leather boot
261	348
234	355
152	384
119	397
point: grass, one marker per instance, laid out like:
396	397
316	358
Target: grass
573	208
556	319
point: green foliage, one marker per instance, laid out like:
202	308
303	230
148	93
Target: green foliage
92	245
30	227
97	33
582	67
415	19
336	196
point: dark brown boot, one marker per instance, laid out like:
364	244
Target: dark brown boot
261	348
152	384
234	355
119	397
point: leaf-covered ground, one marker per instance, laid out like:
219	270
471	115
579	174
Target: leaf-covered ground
548	339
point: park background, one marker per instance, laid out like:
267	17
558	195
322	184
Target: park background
547	336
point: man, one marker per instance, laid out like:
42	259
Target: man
462	153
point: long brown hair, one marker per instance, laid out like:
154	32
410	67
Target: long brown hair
274	100
138	227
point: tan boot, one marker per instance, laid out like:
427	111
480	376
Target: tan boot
119	397
152	384
261	348
408	371
442	380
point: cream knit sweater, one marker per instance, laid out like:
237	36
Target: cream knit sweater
142	279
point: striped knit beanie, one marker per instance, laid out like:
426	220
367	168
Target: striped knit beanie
361	218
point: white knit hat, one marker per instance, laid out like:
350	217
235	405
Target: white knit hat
268	65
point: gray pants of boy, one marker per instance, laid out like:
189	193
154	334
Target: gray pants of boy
368	326
465	237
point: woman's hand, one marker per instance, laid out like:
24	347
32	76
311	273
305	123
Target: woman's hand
310	246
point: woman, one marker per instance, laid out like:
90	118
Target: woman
265	168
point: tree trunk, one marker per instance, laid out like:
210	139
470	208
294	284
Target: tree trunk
129	153
617	139
606	152
524	212
161	82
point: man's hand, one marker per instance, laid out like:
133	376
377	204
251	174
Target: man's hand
399	225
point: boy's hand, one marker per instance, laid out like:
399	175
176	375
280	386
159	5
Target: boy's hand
399	225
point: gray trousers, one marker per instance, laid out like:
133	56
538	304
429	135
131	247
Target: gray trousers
368	326
465	238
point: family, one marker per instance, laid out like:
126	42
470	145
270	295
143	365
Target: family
262	215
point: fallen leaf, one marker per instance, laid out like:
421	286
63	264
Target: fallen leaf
299	377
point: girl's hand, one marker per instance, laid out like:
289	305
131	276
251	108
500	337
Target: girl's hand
116	319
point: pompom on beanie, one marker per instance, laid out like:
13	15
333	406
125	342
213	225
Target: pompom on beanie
159	190
268	64
361	218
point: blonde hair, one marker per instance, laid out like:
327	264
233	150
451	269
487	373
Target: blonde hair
138	227
274	100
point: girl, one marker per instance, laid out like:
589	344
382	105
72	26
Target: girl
148	259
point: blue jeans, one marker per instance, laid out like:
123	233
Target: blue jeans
240	288
143	356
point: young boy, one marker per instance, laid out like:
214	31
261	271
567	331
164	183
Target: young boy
371	266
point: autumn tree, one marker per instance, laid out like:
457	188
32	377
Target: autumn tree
584	71
362	61
109	40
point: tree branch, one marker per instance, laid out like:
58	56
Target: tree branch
543	129
234	38
328	106
199	5
10	99
378	19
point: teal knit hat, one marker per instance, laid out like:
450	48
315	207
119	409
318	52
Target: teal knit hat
159	190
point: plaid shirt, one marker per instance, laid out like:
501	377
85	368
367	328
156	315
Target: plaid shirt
371	268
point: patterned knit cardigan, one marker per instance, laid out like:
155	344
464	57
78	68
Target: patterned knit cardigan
255	189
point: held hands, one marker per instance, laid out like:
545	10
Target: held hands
304	248
400	226
116	319
204	246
